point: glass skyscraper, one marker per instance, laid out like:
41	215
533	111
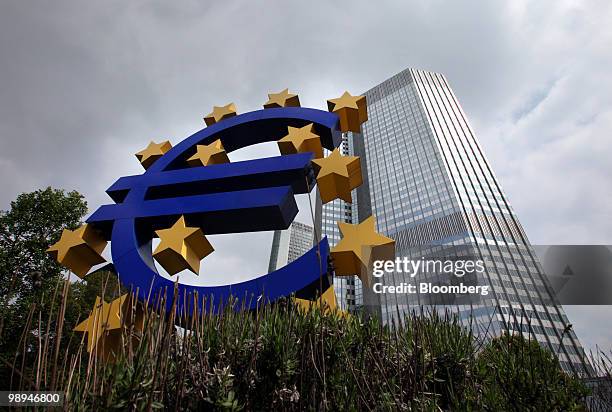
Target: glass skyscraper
290	244
431	188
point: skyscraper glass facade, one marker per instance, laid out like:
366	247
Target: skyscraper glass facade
430	187
290	244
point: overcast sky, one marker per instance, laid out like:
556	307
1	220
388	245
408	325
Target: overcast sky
83	88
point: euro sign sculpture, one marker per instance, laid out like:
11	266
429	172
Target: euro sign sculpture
192	189
246	196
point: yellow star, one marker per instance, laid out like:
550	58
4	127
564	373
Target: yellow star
210	154
181	247
106	324
103	318
152	152
352	111
219	113
360	243
282	99
328	298
300	140
337	175
79	250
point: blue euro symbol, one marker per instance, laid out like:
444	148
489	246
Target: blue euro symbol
245	196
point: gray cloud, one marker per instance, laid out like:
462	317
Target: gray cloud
83	88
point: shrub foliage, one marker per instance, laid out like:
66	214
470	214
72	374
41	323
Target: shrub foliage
281	358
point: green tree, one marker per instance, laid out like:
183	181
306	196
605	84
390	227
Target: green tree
517	374
28	275
34	222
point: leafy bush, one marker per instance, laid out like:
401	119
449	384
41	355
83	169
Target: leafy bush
279	357
520	375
